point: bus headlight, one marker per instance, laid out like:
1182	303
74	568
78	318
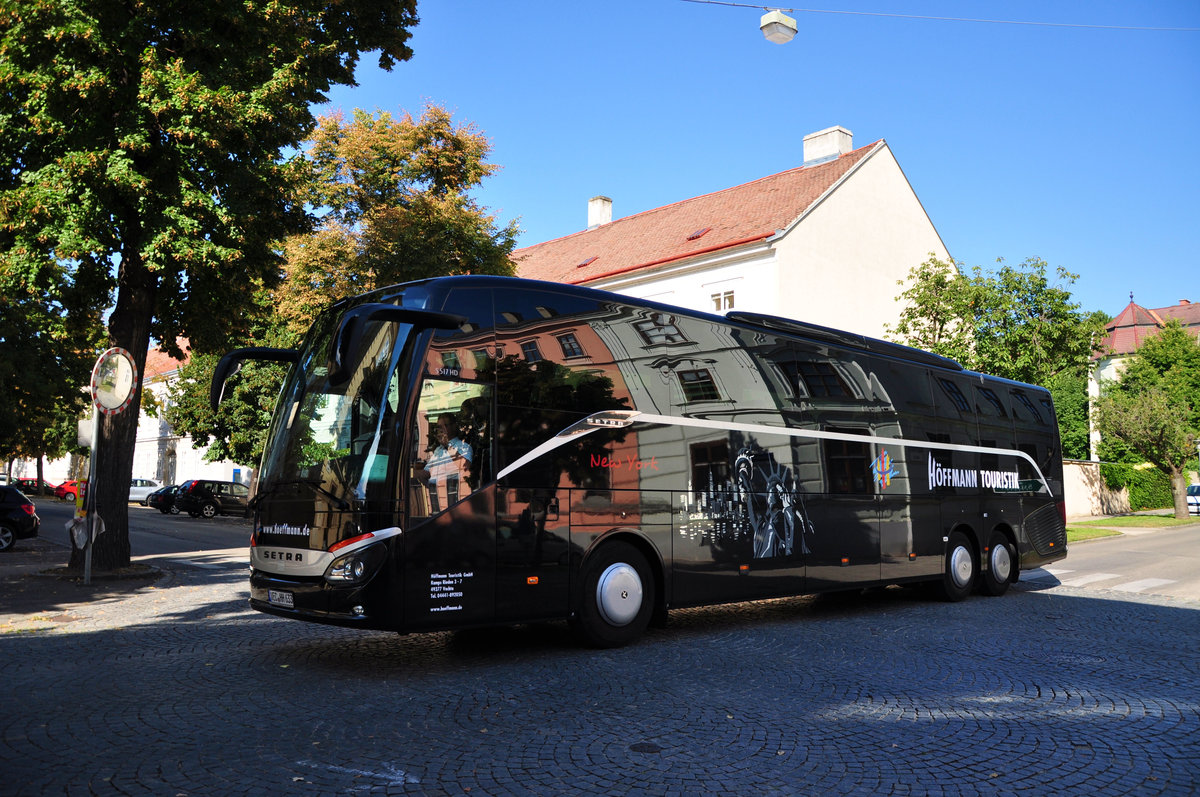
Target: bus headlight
355	567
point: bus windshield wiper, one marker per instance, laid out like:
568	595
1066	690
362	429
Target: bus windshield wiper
338	501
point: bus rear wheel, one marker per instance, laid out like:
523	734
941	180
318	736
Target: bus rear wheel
959	577
618	596
1000	561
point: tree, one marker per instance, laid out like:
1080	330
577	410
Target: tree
395	203
938	314
1154	410
141	145
1012	323
396	208
46	356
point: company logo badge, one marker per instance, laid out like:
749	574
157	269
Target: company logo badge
882	469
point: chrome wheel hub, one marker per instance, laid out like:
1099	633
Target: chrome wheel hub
619	594
961	566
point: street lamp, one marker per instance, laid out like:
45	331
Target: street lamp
777	26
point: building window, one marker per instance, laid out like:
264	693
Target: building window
450	360
659	329
955	395
848	465
821	379
698	385
1020	396
994	400
722	301
530	351
570	345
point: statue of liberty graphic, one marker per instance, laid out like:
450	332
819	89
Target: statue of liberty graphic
774	511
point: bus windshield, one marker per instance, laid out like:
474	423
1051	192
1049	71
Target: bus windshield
336	436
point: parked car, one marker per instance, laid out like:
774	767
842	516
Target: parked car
70	488
163	499
140	488
30	486
208	498
18	517
1193	499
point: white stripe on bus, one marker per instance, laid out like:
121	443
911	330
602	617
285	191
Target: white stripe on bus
610	419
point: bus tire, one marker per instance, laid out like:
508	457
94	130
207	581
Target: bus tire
1000	563
958	579
618	596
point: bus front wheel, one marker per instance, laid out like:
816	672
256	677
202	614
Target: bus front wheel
618	596
959	577
1000	561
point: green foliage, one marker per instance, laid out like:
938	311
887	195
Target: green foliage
1012	323
1149	488
142	151
397	208
238	431
937	315
1071	405
46	357
1153	413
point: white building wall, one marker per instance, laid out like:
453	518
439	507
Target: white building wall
843	261
752	273
839	266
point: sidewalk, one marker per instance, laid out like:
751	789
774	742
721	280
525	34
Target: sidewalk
34	595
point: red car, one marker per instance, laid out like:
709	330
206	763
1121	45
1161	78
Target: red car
70	488
29	486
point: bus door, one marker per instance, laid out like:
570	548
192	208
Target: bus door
532	551
450	535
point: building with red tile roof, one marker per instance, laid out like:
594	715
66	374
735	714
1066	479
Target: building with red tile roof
1126	334
825	242
1129	330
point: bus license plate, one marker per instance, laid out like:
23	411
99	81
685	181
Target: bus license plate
278	598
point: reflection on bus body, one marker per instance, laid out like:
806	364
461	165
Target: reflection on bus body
445	472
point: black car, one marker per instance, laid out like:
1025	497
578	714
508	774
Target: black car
163	499
18	517
208	498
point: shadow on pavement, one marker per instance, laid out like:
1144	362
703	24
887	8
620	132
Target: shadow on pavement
34	580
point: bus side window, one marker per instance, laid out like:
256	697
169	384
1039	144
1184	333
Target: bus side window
451	438
467	352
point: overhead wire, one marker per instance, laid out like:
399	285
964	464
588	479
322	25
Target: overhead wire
940	19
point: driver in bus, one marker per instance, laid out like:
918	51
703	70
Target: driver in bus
448	464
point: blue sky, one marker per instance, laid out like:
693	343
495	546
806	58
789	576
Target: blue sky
1075	145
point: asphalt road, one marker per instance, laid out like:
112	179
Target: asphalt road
1160	562
151	532
178	688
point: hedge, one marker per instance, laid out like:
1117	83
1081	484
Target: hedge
1149	487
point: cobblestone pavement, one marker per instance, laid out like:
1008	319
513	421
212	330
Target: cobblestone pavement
177	688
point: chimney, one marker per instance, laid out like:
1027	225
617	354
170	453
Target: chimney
599	211
825	145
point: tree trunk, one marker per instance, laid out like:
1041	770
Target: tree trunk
128	328
1179	487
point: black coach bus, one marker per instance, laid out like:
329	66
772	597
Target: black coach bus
469	451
